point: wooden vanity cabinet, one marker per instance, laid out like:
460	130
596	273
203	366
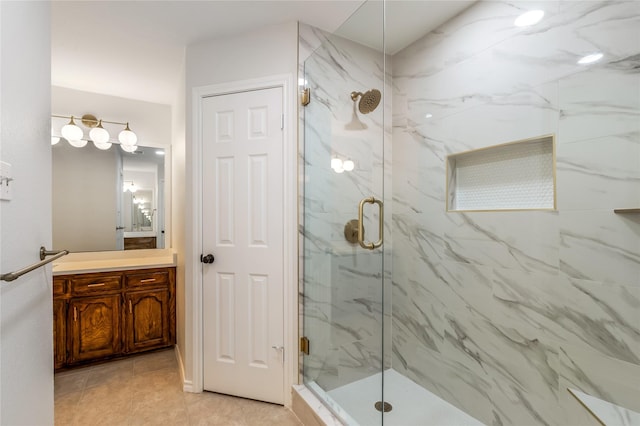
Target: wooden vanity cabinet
93	328
149	309
147	324
59	321
98	316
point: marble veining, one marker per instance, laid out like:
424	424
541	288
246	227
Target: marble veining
497	312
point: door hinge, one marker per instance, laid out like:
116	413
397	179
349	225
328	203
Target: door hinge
304	345
282	123
305	97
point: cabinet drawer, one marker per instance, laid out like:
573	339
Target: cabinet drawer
147	279
59	286
95	284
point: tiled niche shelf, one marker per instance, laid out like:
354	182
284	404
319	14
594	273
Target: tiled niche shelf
519	175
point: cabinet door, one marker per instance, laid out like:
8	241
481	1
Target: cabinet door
95	327
147	320
59	332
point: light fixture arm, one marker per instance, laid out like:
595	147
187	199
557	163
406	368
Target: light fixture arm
87	118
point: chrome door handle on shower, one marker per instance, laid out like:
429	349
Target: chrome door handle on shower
363	244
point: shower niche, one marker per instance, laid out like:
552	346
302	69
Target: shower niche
518	175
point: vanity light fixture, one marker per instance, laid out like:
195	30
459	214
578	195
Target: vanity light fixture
590	59
529	18
98	134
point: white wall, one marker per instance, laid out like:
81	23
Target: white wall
177	201
26	350
265	52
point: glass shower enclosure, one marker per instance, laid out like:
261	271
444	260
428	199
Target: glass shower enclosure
470	242
345	235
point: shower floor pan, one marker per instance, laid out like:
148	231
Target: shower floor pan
412	404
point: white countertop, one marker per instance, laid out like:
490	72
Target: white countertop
79	263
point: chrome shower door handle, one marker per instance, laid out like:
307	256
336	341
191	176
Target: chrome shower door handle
363	244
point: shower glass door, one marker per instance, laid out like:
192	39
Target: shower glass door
344	190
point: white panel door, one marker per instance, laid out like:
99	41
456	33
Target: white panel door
242	227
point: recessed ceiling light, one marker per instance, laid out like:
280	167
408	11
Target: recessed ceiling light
529	18
589	59
428	115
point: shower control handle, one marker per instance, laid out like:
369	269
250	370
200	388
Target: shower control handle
368	245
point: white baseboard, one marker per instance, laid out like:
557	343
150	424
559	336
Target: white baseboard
187	385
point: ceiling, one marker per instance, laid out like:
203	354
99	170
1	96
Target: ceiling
135	49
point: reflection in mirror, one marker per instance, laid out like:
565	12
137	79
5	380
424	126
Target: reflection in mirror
140	204
107	200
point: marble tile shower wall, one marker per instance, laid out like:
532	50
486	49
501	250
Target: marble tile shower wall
342	287
500	312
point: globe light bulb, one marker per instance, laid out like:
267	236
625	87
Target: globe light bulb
99	135
54	139
78	143
129	148
127	137
71	131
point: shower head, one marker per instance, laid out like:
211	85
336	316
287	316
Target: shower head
369	100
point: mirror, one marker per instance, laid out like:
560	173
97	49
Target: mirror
108	199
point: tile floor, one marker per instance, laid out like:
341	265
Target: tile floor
146	390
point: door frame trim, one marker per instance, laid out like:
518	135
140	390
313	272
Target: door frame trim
290	222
